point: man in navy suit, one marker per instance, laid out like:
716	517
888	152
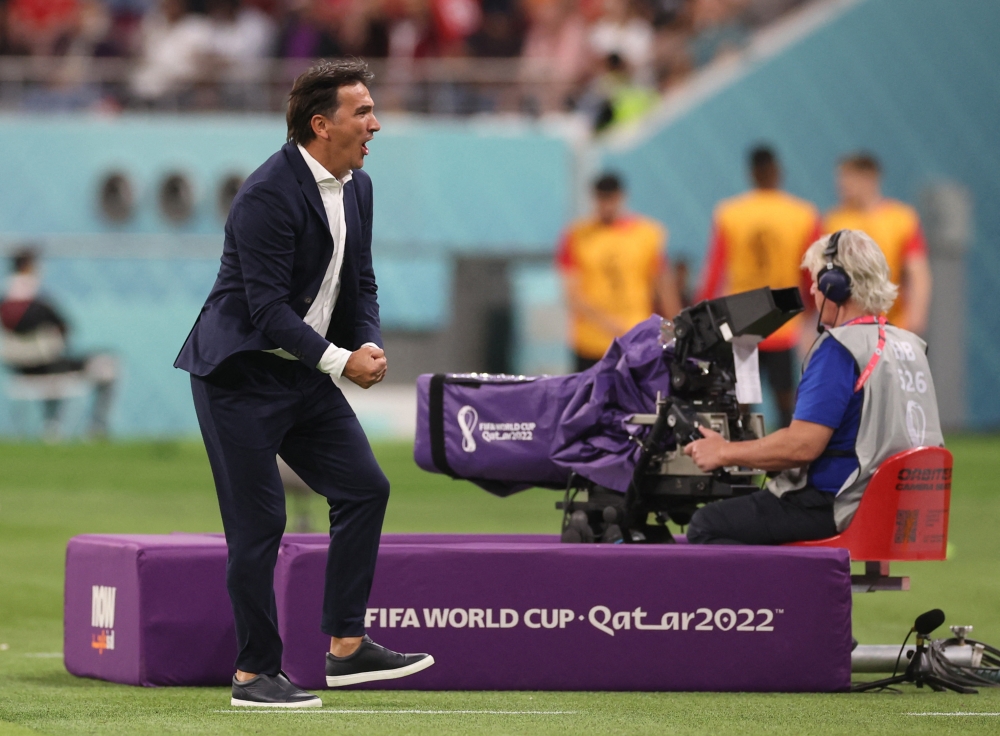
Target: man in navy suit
295	305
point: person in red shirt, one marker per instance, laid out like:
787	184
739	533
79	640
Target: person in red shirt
42	27
758	240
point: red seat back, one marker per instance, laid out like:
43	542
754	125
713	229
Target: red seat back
903	513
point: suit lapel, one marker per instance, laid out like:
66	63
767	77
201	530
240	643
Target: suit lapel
352	219
311	190
306	181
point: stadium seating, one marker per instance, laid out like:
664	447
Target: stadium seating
903	515
58	386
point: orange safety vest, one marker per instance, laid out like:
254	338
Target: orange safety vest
758	240
895	226
617	266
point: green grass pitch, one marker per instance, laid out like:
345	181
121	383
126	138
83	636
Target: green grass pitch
48	494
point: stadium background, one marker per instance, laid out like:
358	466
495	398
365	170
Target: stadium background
468	202
468	213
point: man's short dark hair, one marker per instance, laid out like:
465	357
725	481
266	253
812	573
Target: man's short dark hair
315	93
23	258
608	184
764	166
862	161
762	157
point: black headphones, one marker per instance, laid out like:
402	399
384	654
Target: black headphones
833	281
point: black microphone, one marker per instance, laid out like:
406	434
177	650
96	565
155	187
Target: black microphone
820	327
927	622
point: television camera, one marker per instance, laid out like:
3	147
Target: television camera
705	372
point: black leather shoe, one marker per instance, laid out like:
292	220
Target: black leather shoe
371	662
272	691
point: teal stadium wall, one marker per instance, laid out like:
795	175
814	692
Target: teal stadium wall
916	81
440	188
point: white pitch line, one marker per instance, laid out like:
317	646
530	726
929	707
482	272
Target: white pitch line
44	655
348	711
970	713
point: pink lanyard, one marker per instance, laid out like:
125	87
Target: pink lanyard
877	355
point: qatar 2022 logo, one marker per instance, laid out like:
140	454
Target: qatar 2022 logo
468	423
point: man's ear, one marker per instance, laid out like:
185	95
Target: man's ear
319	124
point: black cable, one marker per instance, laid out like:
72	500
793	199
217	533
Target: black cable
986	674
936	669
820	328
899	656
819	317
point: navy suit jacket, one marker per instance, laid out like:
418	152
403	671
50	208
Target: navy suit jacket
277	249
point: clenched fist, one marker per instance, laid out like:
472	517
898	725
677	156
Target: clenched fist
366	366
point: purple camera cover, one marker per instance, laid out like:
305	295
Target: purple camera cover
508	433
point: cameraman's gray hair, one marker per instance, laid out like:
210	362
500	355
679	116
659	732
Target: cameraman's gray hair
864	262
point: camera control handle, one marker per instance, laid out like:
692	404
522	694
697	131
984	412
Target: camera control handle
685	428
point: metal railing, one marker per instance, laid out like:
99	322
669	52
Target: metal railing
439	85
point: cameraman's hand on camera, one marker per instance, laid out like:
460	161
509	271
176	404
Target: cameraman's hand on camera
709	453
366	366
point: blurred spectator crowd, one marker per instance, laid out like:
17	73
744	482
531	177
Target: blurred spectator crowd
609	59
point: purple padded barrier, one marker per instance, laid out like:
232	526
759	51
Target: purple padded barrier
161	614
144	609
168	619
426	538
552	616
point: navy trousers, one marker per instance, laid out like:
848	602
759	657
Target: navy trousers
257	406
763	518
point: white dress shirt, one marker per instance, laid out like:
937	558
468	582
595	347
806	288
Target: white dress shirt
331	191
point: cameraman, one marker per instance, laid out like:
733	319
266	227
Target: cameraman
866	394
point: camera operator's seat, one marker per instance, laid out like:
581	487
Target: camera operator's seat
903	516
